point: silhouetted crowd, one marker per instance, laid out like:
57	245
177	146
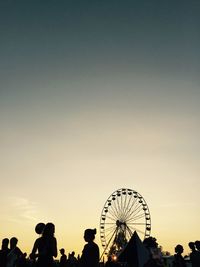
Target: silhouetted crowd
45	251
157	260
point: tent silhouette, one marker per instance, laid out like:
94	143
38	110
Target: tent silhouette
134	253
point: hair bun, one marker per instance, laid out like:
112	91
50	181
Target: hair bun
39	228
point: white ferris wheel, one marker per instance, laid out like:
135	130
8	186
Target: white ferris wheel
124	212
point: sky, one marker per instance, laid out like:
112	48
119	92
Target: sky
96	96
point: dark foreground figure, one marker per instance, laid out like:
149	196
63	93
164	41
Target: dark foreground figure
90	253
45	248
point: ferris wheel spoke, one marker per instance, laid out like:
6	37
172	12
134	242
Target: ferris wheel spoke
131	205
119	208
127	206
134	203
138	210
139	232
109	233
109	242
121	204
117	212
109	225
112	214
120	198
124	206
109	229
136	224
113	208
125	200
110	218
135	211
118	204
140	227
136	217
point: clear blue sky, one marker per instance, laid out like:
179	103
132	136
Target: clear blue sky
95	96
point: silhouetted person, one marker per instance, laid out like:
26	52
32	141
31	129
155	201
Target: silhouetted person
39	228
63	258
193	255
155	255
4	252
22	262
178	258
78	259
90	253
72	260
14	254
197	245
45	247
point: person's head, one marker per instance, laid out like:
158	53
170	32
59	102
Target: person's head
62	251
5	243
89	234
39	228
197	244
179	249
191	245
150	242
13	242
24	255
49	230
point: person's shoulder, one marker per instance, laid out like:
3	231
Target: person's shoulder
95	245
18	251
95	248
38	240
196	252
87	245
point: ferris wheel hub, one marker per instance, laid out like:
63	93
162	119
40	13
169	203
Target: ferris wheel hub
120	223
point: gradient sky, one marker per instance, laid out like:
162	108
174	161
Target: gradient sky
97	96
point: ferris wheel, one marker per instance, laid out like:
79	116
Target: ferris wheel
124	212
